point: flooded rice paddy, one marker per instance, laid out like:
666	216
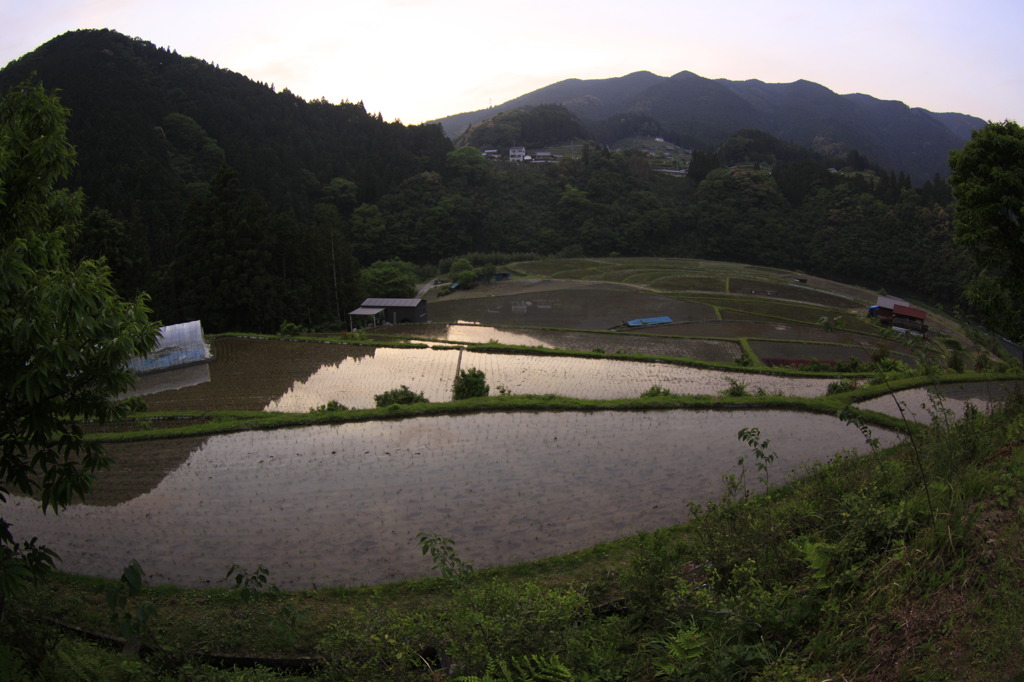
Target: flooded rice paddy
295	377
923	404
341	505
707	350
355	382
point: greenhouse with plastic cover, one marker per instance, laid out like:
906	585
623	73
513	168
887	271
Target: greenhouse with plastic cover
177	345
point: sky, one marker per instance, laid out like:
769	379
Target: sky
418	60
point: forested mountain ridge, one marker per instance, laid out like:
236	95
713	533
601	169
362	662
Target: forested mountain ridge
154	126
702	113
157	134
247	207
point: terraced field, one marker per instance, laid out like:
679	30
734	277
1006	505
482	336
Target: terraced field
752	308
342	504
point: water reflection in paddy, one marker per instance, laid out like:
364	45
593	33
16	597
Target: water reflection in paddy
341	505
920	404
353	382
463	332
707	350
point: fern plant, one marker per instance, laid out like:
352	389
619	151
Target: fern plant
528	668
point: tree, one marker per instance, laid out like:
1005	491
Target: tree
701	165
340	193
463	273
389	279
65	336
226	268
467	164
988	184
104	236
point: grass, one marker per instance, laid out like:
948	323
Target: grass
161	425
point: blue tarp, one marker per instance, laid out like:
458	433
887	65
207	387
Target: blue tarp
647	321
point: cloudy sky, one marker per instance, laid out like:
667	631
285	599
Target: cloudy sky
416	60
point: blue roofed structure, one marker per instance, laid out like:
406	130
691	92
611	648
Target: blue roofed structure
648	321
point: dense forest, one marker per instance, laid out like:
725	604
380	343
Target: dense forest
245	206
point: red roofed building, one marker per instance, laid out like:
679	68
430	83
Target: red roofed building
909	318
899	314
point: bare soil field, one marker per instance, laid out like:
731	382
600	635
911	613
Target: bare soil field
791	292
772	351
560	305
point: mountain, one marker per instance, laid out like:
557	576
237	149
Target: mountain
152	128
248	207
702	113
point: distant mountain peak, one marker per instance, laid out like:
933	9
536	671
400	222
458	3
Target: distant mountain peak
700	112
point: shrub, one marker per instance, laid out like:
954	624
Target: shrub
735	389
841	386
399	396
471	383
331	406
956	361
851	365
135	404
816	365
290	329
656	392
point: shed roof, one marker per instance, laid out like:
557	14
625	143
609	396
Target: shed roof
392	302
906	311
366	311
890	302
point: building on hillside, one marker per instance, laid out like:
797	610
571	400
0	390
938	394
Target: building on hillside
517	153
378	311
912	319
898	314
485	278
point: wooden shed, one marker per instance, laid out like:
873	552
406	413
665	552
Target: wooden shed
897	313
377	311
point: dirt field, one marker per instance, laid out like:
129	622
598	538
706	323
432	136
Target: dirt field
561	305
